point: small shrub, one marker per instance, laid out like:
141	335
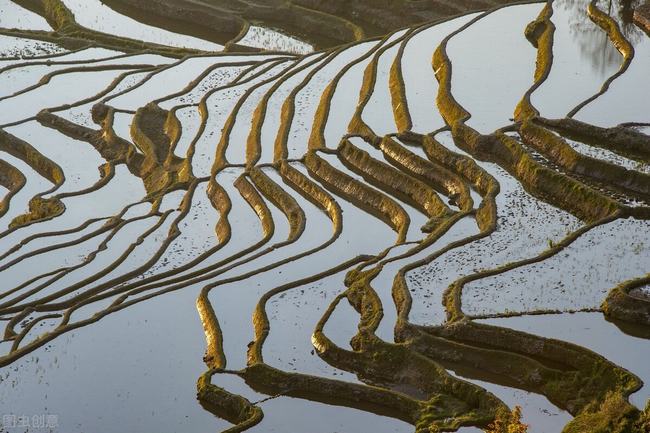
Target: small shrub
643	425
508	422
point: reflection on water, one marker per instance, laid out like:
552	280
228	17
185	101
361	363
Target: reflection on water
593	42
623	12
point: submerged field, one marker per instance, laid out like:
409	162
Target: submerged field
292	216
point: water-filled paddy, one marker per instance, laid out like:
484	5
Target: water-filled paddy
401	233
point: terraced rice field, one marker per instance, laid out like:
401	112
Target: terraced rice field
411	216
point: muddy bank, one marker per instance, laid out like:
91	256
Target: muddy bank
323	24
